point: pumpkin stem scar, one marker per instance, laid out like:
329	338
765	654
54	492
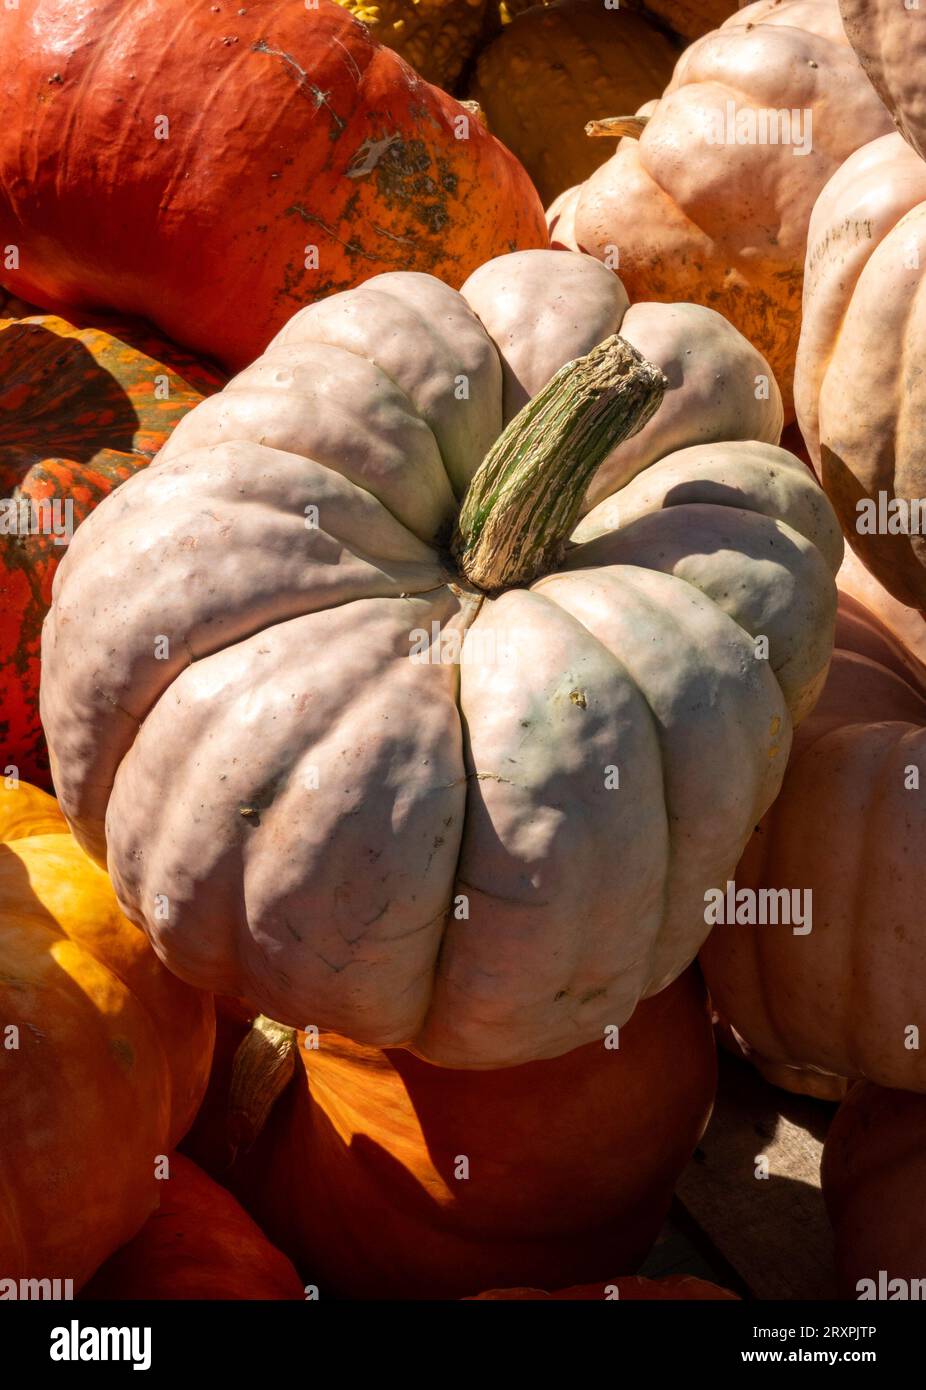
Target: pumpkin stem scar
616	127
303	81
525	497
263	1067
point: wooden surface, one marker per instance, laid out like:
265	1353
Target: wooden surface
765	1238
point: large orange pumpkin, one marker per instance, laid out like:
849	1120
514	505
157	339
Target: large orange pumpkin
383	1176
200	1243
82	408
874	1174
265	156
841	999
686	212
630	1288
104	1056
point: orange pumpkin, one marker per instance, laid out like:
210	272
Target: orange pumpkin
630	1288
104	1056
538	80
873	1174
268	155
839	999
82	408
704	206
383	1176
198	1244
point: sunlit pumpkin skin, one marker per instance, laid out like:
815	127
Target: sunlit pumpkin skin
113	1055
840	999
82	408
573	916
435	36
357	1174
200	1243
630	1288
549	70
289	128
858	387
726	224
889	37
873	1174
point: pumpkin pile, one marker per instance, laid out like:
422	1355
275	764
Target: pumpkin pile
434	632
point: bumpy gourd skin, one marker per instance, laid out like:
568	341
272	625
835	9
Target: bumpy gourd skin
307	804
547	73
435	36
726	224
890	40
839	999
859	380
113	1054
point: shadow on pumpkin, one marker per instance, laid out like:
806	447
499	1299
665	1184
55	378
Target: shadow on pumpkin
47	1127
383	1176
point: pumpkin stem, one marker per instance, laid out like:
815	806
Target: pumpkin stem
262	1069
525	497
617	126
474	109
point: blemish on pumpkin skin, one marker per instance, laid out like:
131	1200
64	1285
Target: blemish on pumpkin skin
303	81
123	1052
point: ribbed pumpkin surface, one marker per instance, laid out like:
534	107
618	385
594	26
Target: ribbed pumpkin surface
108	1066
267	156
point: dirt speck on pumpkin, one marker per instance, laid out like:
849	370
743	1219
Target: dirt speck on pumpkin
123	1052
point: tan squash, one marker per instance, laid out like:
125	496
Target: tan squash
848	827
889	37
682	213
432	836
859	389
